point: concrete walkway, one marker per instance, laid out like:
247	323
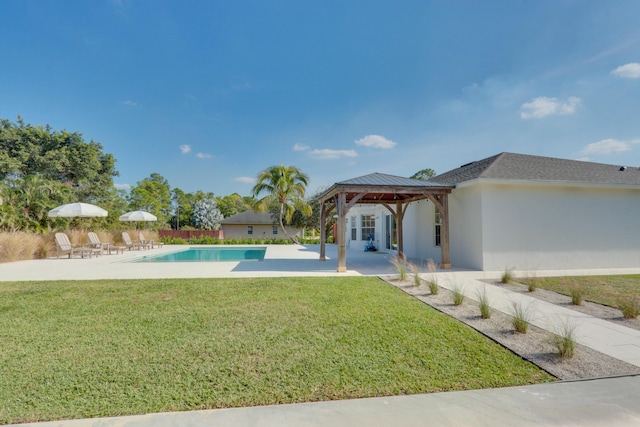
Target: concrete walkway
604	402
609	401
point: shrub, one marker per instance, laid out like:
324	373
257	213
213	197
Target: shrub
507	276
401	267
457	293
564	340
520	318
630	307
483	301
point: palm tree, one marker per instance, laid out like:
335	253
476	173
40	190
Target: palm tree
285	185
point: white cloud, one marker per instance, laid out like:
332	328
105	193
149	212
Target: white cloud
203	156
609	146
629	71
542	106
375	141
130	103
245	179
326	153
185	148
122	186
300	147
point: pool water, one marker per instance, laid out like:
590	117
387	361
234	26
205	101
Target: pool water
207	254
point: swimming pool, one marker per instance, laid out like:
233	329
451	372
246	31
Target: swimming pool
208	254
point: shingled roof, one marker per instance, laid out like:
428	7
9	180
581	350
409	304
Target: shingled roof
250	217
523	167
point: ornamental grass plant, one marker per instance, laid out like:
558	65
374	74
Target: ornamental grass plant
401	267
18	246
457	294
507	276
434	288
564	339
576	290
415	271
483	302
520	317
629	306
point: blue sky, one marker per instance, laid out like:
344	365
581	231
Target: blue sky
209	93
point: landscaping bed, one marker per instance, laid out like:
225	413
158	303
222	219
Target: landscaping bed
535	345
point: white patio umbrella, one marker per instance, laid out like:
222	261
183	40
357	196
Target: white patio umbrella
77	210
136	216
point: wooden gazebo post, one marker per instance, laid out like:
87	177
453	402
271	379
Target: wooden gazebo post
341	206
444	234
323	231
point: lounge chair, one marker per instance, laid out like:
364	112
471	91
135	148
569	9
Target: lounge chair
153	243
107	247
130	244
64	247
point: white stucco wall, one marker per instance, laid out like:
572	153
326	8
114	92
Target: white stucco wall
465	228
495	225
358	211
552	226
419	232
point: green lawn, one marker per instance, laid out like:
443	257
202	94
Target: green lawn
605	290
101	348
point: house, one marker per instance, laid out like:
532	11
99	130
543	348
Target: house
517	211
257	225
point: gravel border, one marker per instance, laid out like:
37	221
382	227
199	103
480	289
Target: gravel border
534	346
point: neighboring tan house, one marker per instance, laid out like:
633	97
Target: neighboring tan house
520	211
255	225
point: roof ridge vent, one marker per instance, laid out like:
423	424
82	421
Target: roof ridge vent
622	168
467	164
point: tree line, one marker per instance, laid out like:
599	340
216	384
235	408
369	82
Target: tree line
41	168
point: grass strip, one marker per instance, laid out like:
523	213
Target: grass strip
607	290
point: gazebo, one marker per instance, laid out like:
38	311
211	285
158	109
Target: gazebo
394	193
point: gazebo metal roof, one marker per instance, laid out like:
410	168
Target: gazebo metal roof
379	187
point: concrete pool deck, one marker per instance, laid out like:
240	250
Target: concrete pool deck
280	261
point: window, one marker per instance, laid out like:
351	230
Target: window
438	223
368	227
274	229
249	229
354	229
